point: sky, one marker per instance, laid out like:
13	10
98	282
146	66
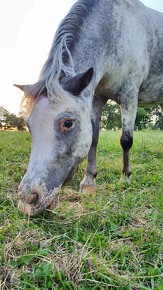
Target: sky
27	29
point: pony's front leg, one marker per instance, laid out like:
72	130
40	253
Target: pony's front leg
129	110
88	184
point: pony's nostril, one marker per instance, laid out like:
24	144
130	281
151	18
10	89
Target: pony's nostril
32	198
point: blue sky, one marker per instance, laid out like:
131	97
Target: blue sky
27	29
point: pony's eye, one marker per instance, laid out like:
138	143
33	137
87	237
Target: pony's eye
67	124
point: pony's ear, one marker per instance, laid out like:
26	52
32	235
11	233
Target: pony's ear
23	88
32	90
78	83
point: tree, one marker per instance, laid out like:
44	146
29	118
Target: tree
3	114
20	123
111	116
143	118
158	118
8	121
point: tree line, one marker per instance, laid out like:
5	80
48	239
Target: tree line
145	118
111	119
9	121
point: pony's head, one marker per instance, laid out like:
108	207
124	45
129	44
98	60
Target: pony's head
61	130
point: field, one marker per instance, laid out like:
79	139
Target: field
107	240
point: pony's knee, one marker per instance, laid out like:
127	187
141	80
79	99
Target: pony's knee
126	140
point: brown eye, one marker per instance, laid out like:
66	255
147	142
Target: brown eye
67	124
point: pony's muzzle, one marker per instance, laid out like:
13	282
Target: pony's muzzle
33	198
33	202
28	201
30	198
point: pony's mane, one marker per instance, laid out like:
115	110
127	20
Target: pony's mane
60	56
60	62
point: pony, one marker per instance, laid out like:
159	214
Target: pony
103	49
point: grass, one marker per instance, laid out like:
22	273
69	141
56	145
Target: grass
107	240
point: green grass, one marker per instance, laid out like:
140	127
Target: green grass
107	240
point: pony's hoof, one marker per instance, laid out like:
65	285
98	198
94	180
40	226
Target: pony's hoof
89	189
